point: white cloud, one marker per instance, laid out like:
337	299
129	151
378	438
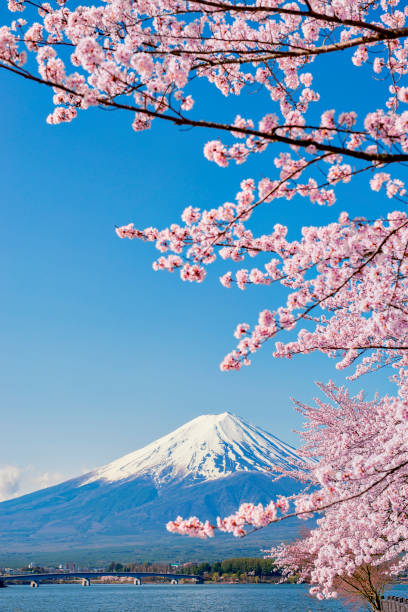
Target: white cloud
48	479
10	481
16	481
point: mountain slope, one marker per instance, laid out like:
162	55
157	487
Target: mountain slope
206	467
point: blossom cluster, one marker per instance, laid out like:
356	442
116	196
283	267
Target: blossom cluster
346	282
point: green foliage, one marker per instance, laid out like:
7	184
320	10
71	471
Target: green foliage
247	566
141	567
115	567
251	569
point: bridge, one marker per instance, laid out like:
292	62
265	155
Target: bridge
86	577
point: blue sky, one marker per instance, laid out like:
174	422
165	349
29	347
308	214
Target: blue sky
99	354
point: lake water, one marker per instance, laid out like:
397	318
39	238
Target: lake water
166	598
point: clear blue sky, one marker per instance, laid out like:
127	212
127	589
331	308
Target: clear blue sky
99	354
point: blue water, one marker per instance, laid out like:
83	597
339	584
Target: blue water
166	598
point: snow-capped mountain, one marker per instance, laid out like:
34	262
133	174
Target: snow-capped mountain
206	468
209	447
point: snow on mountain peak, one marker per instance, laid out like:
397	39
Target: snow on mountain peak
210	446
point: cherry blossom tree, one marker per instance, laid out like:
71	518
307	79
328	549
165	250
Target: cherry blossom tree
346	283
364	585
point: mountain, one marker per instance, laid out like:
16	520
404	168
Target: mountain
209	447
206	468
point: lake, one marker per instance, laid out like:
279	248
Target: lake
166	598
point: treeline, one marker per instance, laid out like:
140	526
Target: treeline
249	566
140	567
248	569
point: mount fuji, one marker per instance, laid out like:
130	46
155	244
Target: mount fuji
206	468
